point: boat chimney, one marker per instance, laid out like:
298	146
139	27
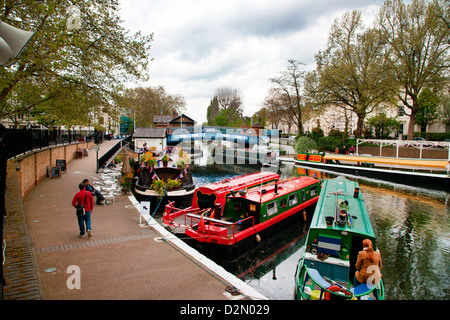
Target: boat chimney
276	187
356	193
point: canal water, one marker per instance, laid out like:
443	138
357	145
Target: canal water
411	225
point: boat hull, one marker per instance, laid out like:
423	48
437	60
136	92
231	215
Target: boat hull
181	197
232	246
418	179
228	250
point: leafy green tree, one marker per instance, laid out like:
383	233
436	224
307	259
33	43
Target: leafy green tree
212	111
428	109
142	104
305	144
65	70
228	118
383	126
417	41
351	73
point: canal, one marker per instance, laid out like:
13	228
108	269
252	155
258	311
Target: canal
411	226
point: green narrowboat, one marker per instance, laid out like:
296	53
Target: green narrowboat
326	269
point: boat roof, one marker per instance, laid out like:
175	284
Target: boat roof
389	160
240	182
284	187
343	189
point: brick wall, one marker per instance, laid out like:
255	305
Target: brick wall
32	167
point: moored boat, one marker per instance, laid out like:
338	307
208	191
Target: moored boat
164	177
327	266
250	212
213	195
429	173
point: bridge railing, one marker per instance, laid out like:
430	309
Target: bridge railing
207	133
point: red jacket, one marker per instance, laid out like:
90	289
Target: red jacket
79	199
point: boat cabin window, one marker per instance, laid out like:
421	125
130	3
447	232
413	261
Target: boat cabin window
293	199
272	208
303	195
313	191
283	202
238	205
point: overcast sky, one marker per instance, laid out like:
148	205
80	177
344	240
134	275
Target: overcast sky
201	45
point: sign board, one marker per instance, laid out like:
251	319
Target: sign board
56	172
145	211
61	163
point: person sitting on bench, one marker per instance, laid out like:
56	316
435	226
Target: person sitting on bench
94	192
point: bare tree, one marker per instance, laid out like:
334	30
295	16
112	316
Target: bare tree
290	83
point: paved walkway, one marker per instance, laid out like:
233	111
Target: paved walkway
122	260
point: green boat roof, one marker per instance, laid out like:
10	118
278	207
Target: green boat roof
333	192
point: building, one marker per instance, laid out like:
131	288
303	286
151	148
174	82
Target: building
153	137
174	121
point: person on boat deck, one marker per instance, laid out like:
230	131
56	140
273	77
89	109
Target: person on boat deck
368	264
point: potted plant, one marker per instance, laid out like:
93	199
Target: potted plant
126	181
165	160
181	164
173	184
159	186
151	162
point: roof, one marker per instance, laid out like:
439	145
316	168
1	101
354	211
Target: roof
177	119
341	189
240	182
284	188
387	160
149	133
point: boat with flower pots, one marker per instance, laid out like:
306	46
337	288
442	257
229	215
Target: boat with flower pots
338	227
162	177
240	211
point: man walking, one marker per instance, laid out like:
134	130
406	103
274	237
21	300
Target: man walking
85	198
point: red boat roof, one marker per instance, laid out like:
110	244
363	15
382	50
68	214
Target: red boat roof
240	182
284	187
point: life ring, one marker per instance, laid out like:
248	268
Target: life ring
335	288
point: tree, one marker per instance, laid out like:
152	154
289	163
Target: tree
68	71
428	109
445	99
383	126
144	103
305	144
351	73
229	105
416	36
273	104
289	84
212	111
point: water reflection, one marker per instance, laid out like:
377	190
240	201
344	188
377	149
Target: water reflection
411	226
